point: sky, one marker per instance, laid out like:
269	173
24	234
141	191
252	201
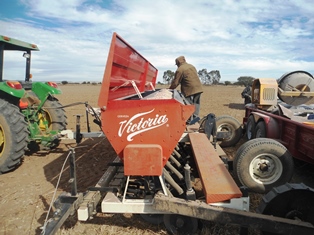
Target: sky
262	39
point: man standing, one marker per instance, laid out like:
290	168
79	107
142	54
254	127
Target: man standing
246	94
191	86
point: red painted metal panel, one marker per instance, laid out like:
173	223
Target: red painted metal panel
143	160
138	122
160	122
124	66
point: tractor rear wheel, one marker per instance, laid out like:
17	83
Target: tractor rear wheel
261	164
52	118
55	115
13	136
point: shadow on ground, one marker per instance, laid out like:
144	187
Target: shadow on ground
235	106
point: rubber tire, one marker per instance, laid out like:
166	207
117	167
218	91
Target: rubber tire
57	122
290	201
189	224
250	128
255	150
260	130
58	119
232	125
15	136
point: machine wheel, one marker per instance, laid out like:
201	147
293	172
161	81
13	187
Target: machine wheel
179	224
291	201
300	80
261	164
13	136
57	120
250	128
232	126
153	218
260	130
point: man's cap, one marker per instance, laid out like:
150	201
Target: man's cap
179	59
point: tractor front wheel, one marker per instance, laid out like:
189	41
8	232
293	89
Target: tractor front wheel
13	136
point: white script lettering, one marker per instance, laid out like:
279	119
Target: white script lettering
139	124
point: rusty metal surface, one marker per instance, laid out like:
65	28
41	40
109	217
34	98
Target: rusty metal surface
218	185
201	210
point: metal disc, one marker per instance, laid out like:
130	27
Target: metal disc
297	80
179	224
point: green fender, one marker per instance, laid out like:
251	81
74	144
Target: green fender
12	91
42	90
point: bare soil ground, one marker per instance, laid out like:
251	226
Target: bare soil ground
26	193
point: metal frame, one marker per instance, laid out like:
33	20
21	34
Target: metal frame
200	210
224	213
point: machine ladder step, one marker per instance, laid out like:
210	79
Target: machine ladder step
218	184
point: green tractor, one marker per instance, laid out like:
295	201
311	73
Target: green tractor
31	118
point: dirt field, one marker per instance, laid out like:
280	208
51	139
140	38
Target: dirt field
26	193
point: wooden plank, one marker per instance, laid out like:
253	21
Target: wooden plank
220	151
218	185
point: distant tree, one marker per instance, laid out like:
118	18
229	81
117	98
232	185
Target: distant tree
227	83
168	76
238	83
204	76
245	80
215	74
208	78
64	82
84	82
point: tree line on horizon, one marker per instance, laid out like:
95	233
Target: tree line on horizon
207	78
210	78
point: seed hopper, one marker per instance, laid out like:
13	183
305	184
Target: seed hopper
159	159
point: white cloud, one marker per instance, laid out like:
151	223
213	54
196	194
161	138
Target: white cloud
236	37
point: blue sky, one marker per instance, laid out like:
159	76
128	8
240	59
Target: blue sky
264	38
